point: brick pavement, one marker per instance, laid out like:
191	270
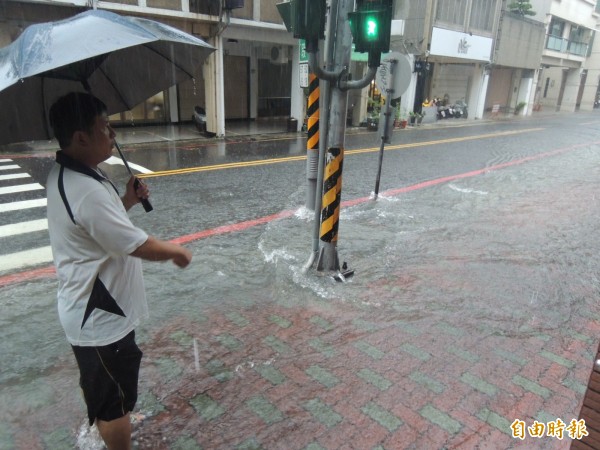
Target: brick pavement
278	376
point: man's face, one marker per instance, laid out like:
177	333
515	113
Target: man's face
101	139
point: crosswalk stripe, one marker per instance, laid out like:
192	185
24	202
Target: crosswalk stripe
26	258
5	160
25	204
13	229
9	167
20	188
14	176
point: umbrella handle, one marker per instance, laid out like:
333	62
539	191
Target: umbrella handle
145	202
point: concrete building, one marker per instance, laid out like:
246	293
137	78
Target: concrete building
461	50
252	75
563	74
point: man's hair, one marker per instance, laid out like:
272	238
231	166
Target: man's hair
76	111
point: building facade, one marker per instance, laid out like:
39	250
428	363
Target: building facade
472	51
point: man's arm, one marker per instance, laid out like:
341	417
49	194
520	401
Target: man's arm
156	250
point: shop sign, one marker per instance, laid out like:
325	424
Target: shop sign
456	44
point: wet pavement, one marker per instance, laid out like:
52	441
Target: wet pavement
474	304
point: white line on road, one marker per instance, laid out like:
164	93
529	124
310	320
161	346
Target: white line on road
20	188
26	258
14	176
113	160
9	167
5	160
13	229
25	204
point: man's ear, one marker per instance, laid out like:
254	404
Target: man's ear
80	138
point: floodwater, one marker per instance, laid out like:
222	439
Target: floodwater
463	287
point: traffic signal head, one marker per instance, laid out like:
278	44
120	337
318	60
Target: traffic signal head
305	18
371	25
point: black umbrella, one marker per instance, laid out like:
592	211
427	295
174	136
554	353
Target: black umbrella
121	60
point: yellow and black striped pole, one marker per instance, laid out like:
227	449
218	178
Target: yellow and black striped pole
330	209
312	144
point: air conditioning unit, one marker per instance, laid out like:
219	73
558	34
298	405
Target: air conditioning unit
278	54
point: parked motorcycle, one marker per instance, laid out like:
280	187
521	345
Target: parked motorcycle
461	110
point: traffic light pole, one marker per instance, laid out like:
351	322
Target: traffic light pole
336	76
306	19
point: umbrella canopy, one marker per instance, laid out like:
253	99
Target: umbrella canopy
121	60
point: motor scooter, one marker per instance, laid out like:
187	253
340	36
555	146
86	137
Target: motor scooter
461	110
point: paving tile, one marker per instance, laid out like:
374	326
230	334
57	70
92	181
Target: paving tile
462	353
323	376
427	381
206	407
531	386
479	384
441	419
277	345
495	420
264	409
280	321
383	417
319	345
369	349
415	351
375	379
322	412
219	370
185	443
321	323
238	319
270	373
229	341
249	444
557	359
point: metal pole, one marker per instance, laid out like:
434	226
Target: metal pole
312	143
332	182
385	130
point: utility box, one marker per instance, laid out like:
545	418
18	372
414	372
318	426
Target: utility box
292	125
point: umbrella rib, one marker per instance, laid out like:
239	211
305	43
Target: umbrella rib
118	91
191	75
44	106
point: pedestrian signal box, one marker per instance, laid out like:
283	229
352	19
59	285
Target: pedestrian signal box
371	25
304	18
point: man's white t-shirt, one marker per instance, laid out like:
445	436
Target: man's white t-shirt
101	296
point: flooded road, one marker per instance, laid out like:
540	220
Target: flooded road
474	303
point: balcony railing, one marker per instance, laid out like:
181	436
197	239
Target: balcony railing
563	45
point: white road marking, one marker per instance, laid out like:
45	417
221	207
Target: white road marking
20	188
113	160
9	167
13	229
26	258
25	204
14	176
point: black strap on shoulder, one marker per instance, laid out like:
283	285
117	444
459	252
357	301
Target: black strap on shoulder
68	162
61	189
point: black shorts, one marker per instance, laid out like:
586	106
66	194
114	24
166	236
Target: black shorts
109	377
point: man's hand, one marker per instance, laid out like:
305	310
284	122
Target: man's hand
132	195
156	250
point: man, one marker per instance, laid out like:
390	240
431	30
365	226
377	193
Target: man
97	253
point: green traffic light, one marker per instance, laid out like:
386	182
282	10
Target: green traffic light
371	28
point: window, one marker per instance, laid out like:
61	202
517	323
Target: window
482	14
451	11
557	27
